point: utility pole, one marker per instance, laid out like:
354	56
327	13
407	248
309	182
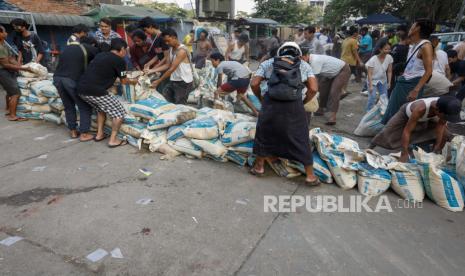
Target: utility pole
459	17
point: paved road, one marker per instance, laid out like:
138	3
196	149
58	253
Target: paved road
206	218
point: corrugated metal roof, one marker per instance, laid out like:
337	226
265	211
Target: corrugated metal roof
48	19
8	7
261	21
125	12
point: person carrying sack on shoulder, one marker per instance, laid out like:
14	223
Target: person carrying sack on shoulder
179	70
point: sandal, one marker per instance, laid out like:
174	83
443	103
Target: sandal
122	143
17	119
99	139
253	171
315	182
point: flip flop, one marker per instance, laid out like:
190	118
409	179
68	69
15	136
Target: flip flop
17	119
252	171
315	182
88	140
99	140
122	143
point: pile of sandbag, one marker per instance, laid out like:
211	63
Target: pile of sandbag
39	98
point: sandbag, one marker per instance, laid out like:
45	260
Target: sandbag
38	71
187	147
320	168
201	128
175	132
246	147
213	148
344	178
33	99
449	152
440	187
44	88
33	108
25	92
370	124
150	108
130	119
53	118
135	130
240	132
177	116
372	181
221	117
281	168
168	151
437	85
30	115
236	157
407	181
24	83
239	117
460	164
57	105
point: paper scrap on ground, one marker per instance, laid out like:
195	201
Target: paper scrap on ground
39	169
11	240
116	253
103	165
145	172
41	138
144	201
195	220
69	141
350	115
43	156
243	202
97	255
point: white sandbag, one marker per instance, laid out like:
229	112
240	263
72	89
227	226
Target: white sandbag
167	150
460	164
239	117
30	115
344	178
134	130
372	181
25	92
377	160
33	99
213	148
177	116
187	147
175	132
44	88
221	117
438	85
236	157
246	147
150	108
201	128
449	152
320	168
24	83
33	108
130	119
440	187
407	181
38	71
57	105
23	100
370	124
129	92
53	118
240	132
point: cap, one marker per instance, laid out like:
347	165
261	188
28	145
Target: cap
450	107
289	49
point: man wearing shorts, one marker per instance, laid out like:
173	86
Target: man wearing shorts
8	68
93	85
238	79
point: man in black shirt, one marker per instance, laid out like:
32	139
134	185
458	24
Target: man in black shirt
29	45
457	68
72	64
153	32
97	79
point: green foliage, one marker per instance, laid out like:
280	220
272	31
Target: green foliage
437	10
171	9
285	11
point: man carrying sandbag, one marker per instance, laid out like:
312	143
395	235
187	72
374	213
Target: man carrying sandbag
238	79
8	67
73	61
420	121
93	85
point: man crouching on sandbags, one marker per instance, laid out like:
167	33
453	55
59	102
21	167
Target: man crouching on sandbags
238	79
93	85
418	122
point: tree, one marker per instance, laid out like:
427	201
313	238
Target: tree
285	11
437	10
171	9
242	14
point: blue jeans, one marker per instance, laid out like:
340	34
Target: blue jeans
67	89
380	88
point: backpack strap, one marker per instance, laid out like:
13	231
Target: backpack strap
84	51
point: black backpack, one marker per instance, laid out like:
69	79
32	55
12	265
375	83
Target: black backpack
285	83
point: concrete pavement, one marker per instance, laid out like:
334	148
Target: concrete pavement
206	218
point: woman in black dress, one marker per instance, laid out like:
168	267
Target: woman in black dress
282	127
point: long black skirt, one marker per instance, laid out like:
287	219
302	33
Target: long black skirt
282	131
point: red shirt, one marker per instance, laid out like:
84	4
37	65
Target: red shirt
138	52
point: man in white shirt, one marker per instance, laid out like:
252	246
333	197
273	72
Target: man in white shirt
311	42
440	60
333	74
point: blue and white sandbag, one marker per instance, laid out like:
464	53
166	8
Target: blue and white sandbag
177	116
30	115
53	118
57	104
370	124
239	132
246	147
134	130
236	157
407	181
34	99
175	132
440	187
372	181
213	147
44	88
187	147
201	128
150	108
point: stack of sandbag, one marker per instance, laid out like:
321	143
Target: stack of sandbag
135	92
370	124
38	71
440	186
207	86
342	156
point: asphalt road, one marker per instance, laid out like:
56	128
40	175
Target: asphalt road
206	218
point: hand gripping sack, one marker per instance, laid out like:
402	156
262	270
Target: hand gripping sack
440	187
285	83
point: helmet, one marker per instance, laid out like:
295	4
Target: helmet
289	49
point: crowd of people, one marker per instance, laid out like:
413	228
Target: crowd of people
397	65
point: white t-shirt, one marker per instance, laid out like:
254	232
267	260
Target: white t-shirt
379	69
441	61
326	66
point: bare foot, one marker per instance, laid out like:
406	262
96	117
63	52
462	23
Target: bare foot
16	119
117	143
84	137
